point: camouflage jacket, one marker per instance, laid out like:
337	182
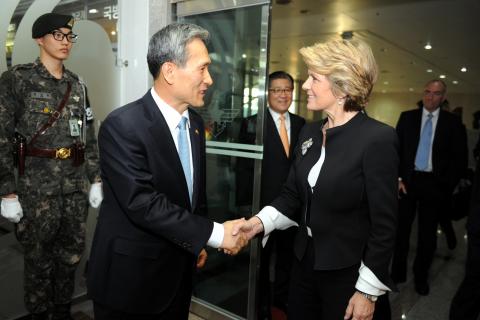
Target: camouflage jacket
28	96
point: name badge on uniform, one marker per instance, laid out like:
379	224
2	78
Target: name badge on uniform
89	113
74	128
40	95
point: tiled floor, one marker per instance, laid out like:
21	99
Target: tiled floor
447	272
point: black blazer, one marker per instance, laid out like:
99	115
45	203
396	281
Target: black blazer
275	163
147	235
352	211
449	149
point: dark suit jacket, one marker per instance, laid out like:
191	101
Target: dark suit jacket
148	235
449	149
275	164
353	210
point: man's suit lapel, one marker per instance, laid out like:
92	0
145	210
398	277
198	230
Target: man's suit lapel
196	153
416	127
273	134
163	140
438	130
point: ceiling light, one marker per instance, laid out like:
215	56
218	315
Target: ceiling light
410	89
244	56
113	32
442	76
429	70
384	91
263	49
428	46
385	82
455	82
464	69
93	11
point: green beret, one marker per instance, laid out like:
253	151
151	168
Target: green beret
51	21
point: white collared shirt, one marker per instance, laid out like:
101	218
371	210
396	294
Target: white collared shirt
435	115
172	117
276	119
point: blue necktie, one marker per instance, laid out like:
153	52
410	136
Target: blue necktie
184	153
423	151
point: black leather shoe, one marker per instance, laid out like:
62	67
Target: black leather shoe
39	316
422	288
62	312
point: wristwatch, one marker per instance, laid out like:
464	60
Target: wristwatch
368	296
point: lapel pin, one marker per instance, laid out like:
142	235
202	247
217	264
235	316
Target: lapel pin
196	132
306	145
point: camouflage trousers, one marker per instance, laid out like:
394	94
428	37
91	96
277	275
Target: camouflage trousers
52	233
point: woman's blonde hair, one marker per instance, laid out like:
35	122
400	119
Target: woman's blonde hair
350	67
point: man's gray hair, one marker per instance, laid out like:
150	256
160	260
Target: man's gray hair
169	45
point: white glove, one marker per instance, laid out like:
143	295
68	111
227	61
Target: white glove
95	196
11	209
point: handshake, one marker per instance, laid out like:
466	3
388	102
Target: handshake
237	234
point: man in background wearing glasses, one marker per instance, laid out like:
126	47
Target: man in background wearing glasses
280	135
44	110
433	157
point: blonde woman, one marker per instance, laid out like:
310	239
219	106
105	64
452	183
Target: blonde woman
344	181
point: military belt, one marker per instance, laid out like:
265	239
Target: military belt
59	153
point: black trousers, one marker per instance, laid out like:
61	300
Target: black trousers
426	197
178	309
275	292
319	295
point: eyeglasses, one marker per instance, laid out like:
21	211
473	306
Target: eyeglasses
434	93
59	36
278	91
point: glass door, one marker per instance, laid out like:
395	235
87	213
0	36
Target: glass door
226	287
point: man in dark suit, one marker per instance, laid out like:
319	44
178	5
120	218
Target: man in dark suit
150	228
466	302
280	135
433	156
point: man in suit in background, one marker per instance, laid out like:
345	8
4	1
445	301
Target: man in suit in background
466	302
279	138
433	156
151	228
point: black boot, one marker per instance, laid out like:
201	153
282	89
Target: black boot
39	316
62	312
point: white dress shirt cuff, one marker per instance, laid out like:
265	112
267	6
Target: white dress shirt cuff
216	238
273	219
367	282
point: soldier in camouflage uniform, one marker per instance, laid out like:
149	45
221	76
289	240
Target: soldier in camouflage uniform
52	192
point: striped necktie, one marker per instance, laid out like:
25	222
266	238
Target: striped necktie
424	146
184	153
284	135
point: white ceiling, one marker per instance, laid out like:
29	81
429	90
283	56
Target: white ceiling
397	31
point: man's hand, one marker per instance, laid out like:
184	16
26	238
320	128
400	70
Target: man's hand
233	243
11	208
250	228
202	259
359	308
95	196
402	189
